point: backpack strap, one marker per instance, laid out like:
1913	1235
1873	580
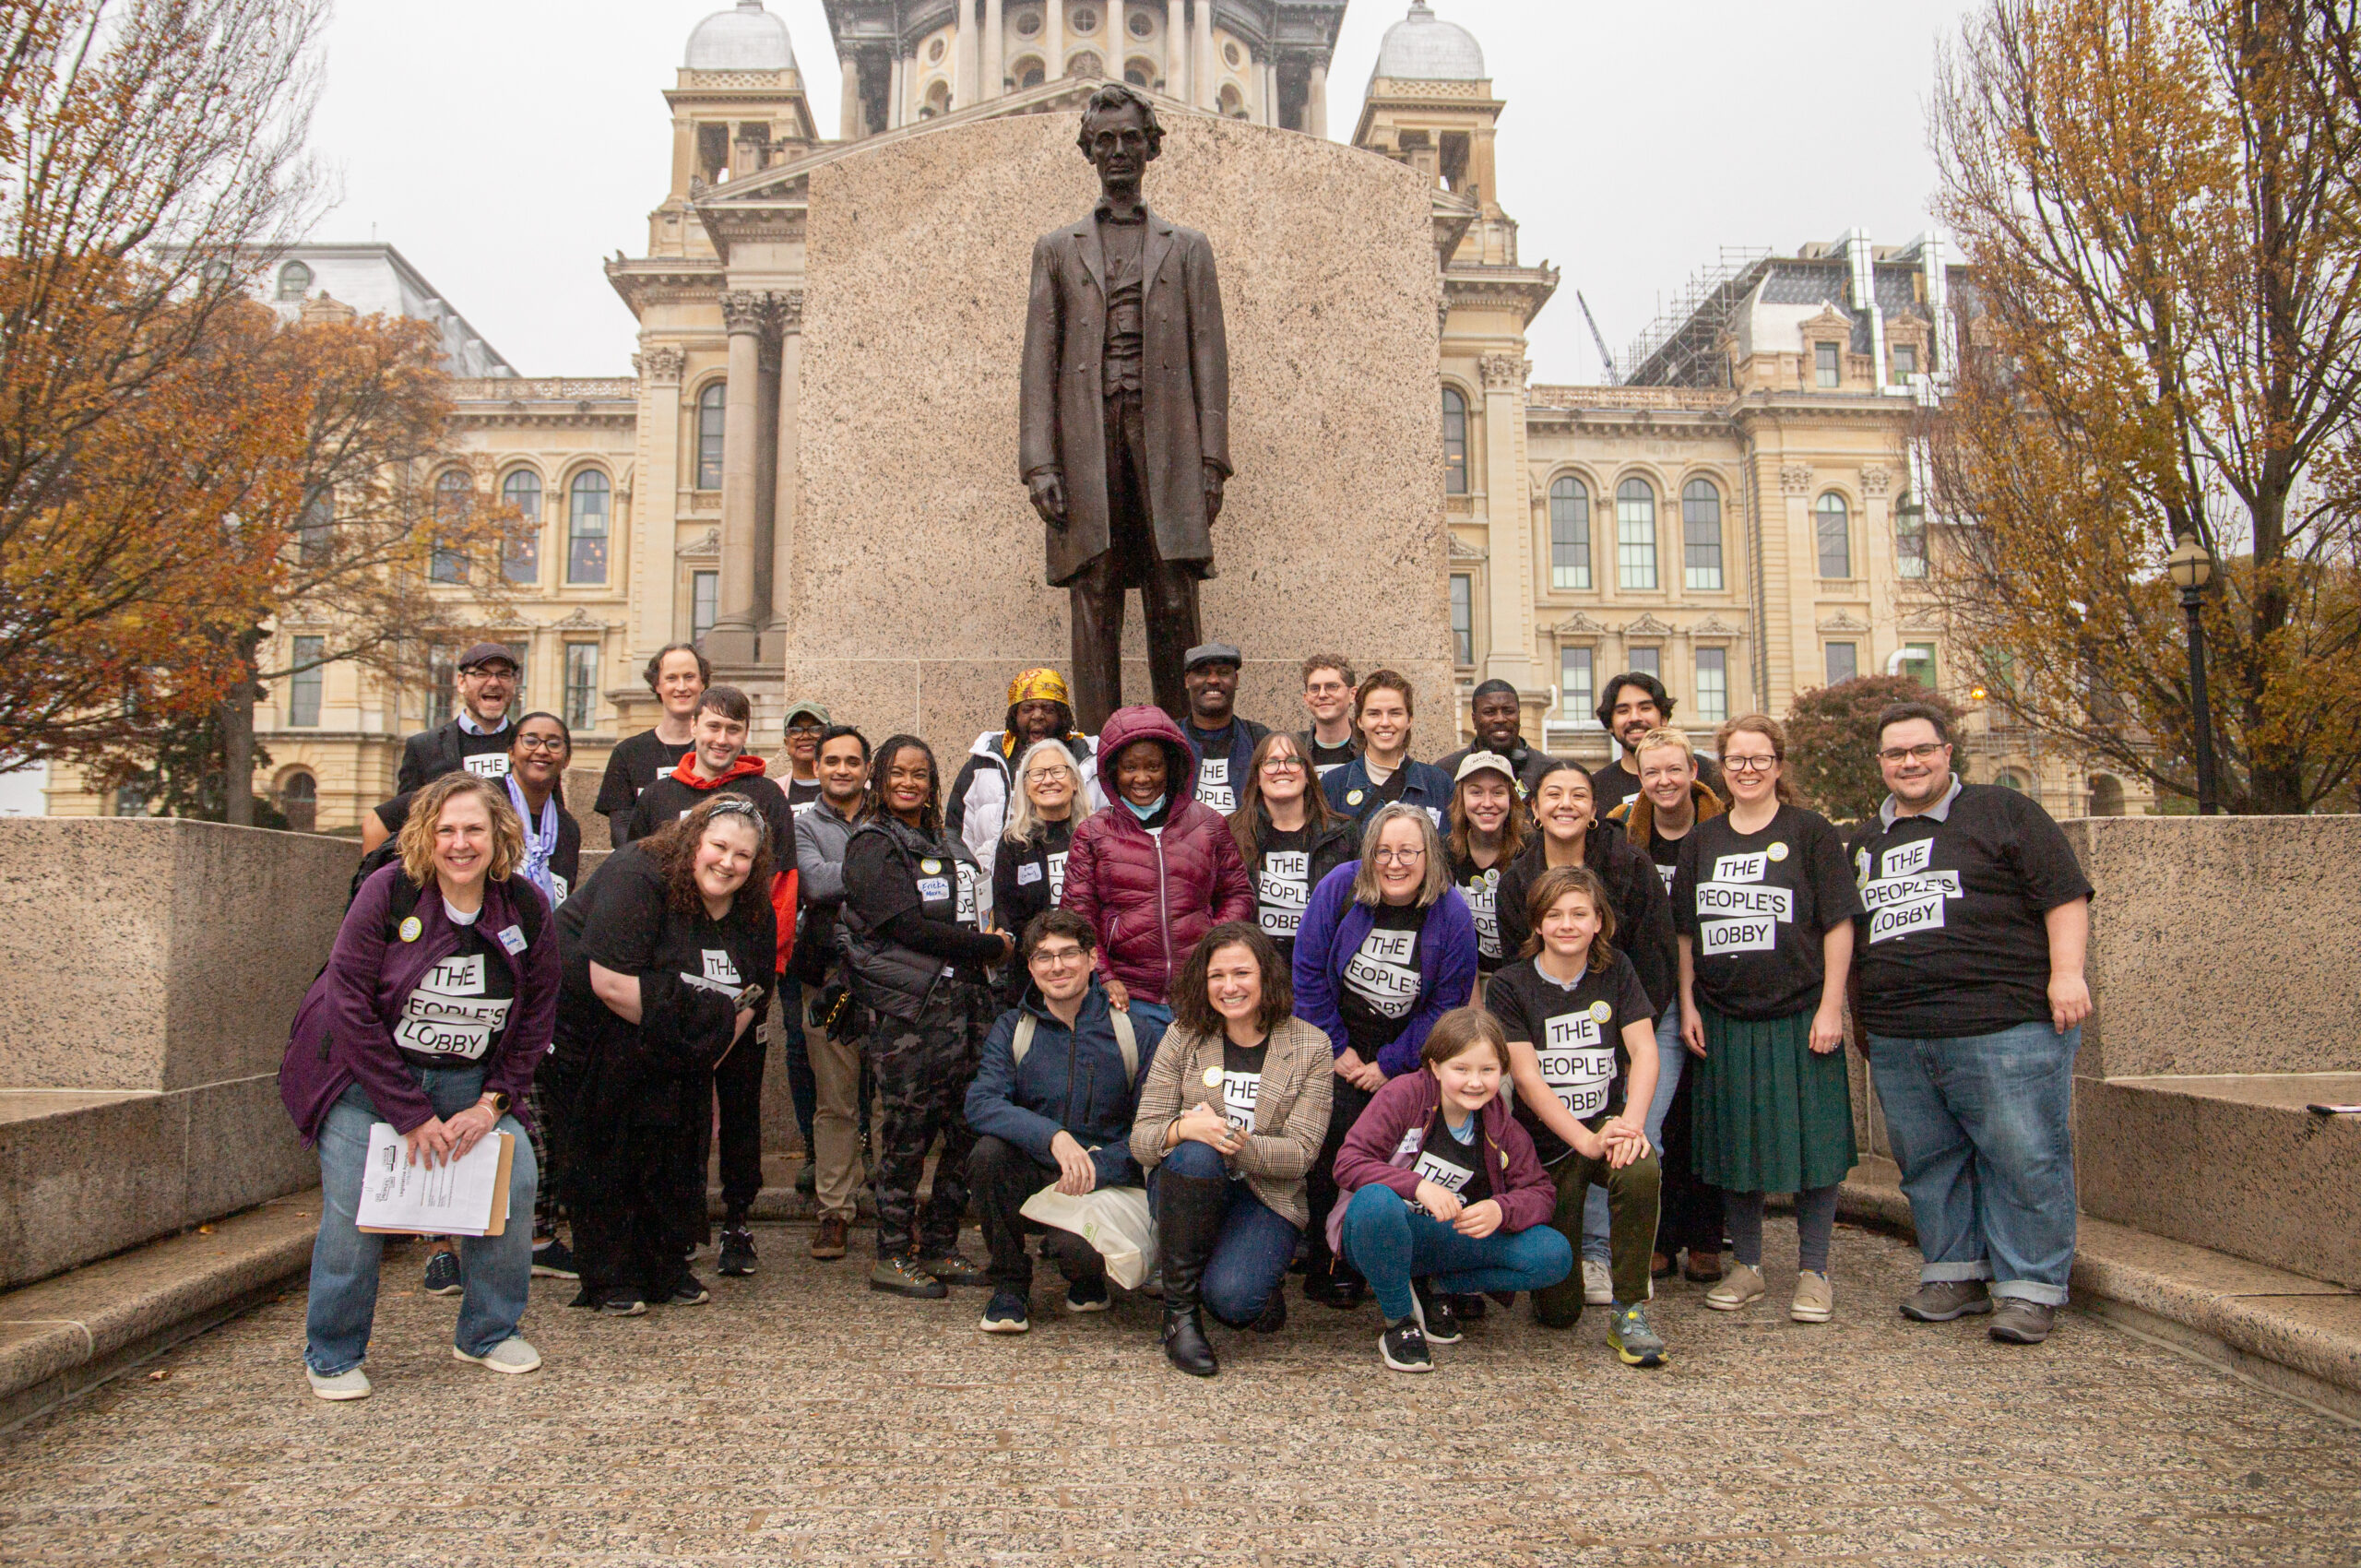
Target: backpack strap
1128	1042
1022	1041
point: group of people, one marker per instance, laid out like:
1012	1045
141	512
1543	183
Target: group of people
1254	999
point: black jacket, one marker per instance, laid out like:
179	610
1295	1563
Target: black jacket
430	753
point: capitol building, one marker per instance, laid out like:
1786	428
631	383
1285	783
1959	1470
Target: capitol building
1740	511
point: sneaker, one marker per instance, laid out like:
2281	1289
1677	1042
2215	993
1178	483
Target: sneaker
442	1274
1636	1345
2019	1322
953	1269
1274	1316
807	1181
512	1356
1403	1346
737	1252
1343	1292
622	1301
1814	1302
1471	1309
828	1241
1005	1314
689	1293
1436	1317
1739	1286
1087	1295
553	1260
1598	1285
901	1276
352	1384
1944	1301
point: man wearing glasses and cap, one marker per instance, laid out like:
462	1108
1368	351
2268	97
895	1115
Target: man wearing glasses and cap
1039	709
477	739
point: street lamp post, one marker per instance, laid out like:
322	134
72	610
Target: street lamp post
2191	568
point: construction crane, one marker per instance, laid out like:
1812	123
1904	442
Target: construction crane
1605	358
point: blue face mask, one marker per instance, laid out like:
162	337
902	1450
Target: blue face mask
1144	811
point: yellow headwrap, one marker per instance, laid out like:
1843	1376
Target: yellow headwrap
1038	685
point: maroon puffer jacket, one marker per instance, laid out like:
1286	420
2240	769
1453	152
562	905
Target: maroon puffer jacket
1152	897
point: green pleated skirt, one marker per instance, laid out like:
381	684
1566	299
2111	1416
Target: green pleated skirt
1771	1116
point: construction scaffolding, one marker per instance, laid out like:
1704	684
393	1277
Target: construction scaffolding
1681	346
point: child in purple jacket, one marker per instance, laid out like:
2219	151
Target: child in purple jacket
1445	1185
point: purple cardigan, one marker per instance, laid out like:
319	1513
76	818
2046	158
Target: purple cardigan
344	1029
1374	1151
1334	927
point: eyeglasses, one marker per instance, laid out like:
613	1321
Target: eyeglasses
1283	765
540	742
1057	957
1749	764
1926	752
1399	857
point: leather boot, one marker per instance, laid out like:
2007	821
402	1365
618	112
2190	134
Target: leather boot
1188	1222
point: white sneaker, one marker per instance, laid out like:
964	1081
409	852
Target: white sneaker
353	1384
511	1355
1598	1284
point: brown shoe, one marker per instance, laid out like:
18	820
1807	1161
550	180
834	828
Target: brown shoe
1703	1267
828	1241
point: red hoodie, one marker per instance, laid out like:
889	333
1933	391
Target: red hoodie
783	878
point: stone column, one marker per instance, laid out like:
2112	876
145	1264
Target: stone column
1315	102
656	487
894	79
1266	92
1054	39
766	400
962	54
1201	59
995	52
790	362
732	641
850	123
1508	511
1176	50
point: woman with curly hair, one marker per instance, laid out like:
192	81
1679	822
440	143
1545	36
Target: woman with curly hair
432	1013
669	954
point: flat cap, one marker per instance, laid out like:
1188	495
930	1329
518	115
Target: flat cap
1212	653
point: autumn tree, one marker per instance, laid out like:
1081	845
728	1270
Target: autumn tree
1832	741
2159	201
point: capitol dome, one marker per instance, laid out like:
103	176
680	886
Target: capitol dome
1422	47
746	39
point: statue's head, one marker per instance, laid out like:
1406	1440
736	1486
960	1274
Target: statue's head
1119	134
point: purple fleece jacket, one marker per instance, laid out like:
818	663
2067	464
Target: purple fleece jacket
344	1029
1374	1151
1334	927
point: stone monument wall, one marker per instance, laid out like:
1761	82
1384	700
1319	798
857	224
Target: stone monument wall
917	583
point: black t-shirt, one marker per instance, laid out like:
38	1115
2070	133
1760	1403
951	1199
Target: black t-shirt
1666	853
669	800
801	793
458	1007
1326	760
1454	1166
1951	936
1282	882
636	761
1380	980
627	924
1391	791
1610	786
1241	1080
1481	888
1029	878
1757	905
1577	1032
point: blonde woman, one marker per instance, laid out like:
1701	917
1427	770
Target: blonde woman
436	1007
1029	867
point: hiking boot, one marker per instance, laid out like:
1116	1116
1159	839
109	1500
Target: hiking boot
901	1276
737	1252
553	1259
352	1384
2019	1322
1814	1302
1741	1286
1636	1345
828	1241
1005	1314
1943	1300
512	1356
953	1269
1598	1284
442	1274
1087	1294
1403	1346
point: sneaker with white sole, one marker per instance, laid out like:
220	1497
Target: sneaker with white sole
442	1274
1814	1302
1403	1346
352	1384
553	1259
1598	1284
1005	1314
1742	1284
512	1356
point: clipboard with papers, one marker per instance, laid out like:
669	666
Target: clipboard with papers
466	1196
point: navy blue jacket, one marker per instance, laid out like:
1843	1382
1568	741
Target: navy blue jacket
1072	1081
1426	786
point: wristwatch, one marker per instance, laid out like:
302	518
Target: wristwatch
499	1101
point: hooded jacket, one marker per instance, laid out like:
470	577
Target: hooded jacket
1071	1081
1334	929
1642	910
1637	816
676	794
1152	896
977	807
1383	1149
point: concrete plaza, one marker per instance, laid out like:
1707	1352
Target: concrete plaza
798	1418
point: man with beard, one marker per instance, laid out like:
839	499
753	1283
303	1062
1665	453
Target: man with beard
1635	703
1497	715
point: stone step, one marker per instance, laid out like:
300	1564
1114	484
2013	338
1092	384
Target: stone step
2233	1163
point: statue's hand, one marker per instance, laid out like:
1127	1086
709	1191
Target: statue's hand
1212	493
1049	492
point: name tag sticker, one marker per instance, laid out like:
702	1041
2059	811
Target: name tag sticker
933	889
513	938
1028	873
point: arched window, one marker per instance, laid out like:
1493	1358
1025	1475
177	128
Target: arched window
1831	526
2008	779
521	561
2106	795
294	280
1635	534
585	528
1139	73
1233	105
712	416
938	100
299	798
1028	72
1569	534
453	489
1455	443
1086	65
1700	536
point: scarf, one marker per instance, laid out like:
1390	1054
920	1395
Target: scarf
541	840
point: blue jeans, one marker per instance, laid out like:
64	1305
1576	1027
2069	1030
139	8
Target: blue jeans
1392	1246
1250	1261
1671	1055
1983	1129
495	1271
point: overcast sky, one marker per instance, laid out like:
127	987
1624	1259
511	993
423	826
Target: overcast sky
506	146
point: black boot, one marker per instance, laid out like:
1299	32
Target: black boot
1188	1222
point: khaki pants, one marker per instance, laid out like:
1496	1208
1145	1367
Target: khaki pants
838	1175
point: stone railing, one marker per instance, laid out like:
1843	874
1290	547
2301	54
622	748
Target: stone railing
1578	398
546	389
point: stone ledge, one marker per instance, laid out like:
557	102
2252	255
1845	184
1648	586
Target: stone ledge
2285	1332
70	1333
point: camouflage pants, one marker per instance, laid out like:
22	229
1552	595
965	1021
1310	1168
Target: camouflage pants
921	1068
